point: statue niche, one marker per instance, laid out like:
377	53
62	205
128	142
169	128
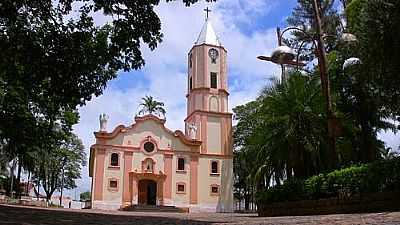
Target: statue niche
148	165
192	130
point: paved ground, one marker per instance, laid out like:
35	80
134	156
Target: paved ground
30	215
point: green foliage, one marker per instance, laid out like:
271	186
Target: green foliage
5	185
85	196
151	106
53	58
379	35
303	17
281	135
60	167
283	130
379	176
353	11
291	190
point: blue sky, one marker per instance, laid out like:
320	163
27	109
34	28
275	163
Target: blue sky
246	29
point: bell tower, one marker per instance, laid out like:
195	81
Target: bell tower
207	93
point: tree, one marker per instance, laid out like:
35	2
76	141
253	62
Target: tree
367	98
367	95
281	134
49	64
85	196
150	106
59	168
379	33
303	17
244	154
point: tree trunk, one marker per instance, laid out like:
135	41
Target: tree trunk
325	85
62	187
12	177
27	184
246	198
18	188
38	190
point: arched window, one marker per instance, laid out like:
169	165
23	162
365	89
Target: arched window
213	80
114	159
181	164
214	167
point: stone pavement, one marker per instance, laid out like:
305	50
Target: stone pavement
30	215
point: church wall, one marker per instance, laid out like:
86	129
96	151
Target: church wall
214	135
214	104
200	70
181	199
226	197
118	140
214	67
137	161
113	173
149	128
223	68
198	102
158	158
206	180
98	174
225	105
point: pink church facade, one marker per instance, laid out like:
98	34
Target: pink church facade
145	163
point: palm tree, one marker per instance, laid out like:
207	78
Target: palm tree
151	106
281	134
294	113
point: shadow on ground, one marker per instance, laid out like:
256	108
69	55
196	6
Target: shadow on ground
27	216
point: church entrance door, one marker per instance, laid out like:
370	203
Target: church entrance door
147	192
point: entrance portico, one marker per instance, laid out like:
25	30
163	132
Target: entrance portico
147	188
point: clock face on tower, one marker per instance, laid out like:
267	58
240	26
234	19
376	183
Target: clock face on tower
213	53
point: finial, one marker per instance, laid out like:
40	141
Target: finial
207	10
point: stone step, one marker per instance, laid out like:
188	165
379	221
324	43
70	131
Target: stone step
153	208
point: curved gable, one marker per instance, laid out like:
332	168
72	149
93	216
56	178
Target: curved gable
144	127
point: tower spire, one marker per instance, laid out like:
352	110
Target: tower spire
207	34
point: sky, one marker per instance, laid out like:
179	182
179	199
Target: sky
245	28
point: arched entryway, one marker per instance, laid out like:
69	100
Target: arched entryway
147	192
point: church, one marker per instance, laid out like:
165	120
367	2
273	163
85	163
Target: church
145	163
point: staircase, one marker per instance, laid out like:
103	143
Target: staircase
154	208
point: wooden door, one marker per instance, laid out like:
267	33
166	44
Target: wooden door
142	192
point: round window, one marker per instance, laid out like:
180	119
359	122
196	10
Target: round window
149	147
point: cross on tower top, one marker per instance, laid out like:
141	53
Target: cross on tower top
207	10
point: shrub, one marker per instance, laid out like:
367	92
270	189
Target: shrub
291	190
379	176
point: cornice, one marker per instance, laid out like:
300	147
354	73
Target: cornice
202	112
208	45
209	90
